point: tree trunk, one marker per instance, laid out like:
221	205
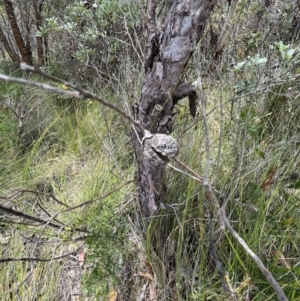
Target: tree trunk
13	56
38	5
224	34
168	53
26	57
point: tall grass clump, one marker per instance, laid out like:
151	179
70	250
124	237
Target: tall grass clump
79	155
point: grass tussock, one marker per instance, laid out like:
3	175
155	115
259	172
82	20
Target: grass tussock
75	158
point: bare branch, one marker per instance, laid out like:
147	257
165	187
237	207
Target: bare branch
138	2
204	118
40	86
78	93
223	36
36	219
151	18
278	290
224	221
30	217
20	192
39	259
49	215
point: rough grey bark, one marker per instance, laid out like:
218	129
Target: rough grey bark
38	6
168	53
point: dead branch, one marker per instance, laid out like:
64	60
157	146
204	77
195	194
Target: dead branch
78	93
224	221
39	259
22	191
224	33
26	216
40	86
38	220
278	290
151	22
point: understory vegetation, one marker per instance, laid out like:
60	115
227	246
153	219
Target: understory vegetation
71	226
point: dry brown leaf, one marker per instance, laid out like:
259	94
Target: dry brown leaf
152	292
146	275
270	179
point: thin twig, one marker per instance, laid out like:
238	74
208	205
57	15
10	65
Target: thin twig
83	93
204	117
78	93
49	215
94	200
40	86
226	28
22	191
38	259
29	274
83	204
